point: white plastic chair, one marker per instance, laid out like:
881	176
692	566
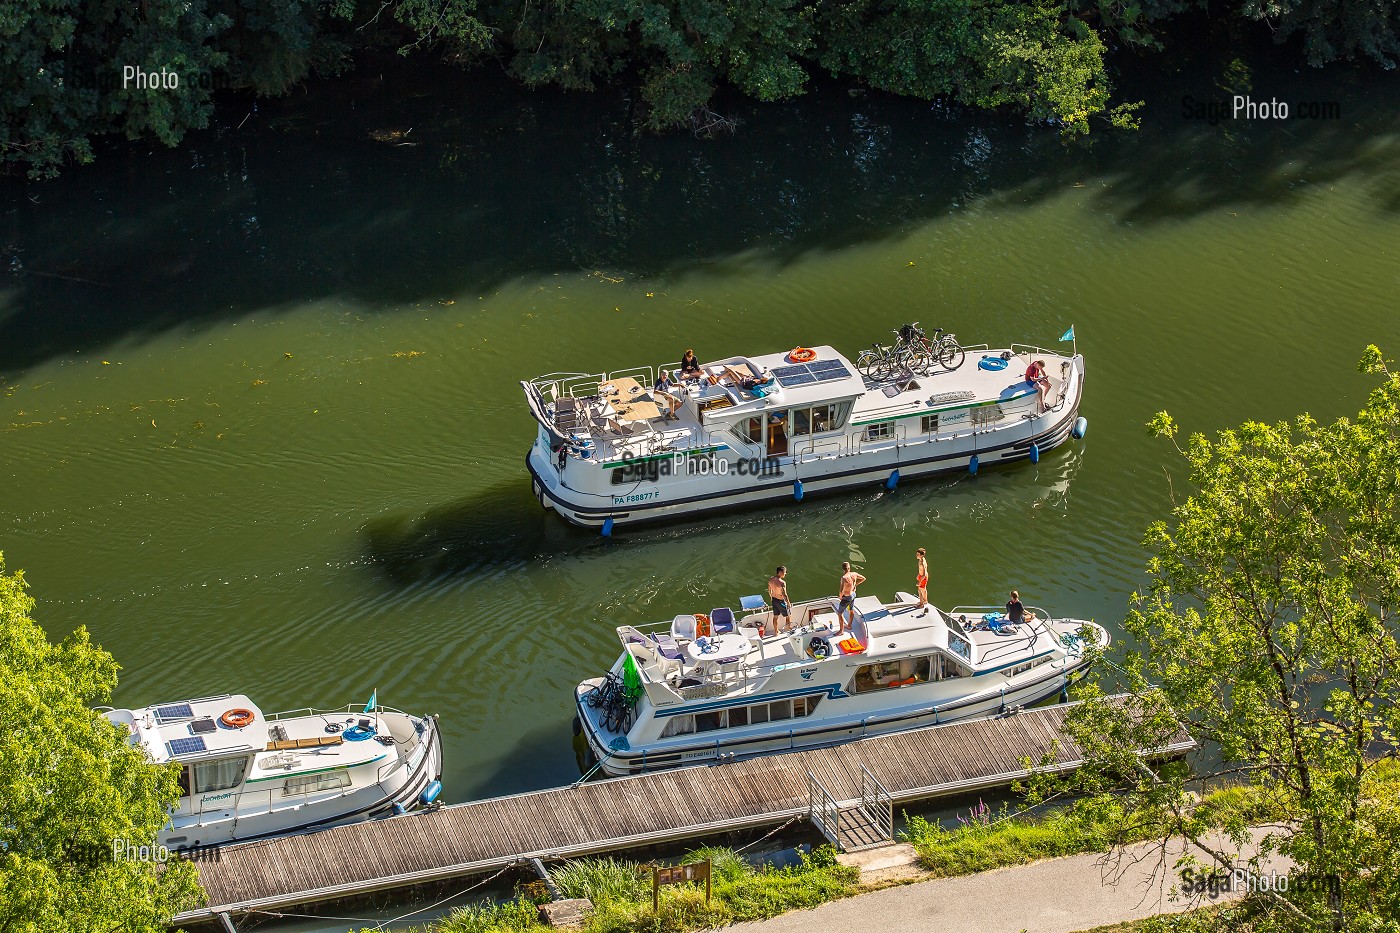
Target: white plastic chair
683	627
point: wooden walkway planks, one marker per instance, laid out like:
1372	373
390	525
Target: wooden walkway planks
619	813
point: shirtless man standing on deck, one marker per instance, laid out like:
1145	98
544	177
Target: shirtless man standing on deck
782	606
849	581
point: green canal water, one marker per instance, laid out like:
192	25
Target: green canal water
259	424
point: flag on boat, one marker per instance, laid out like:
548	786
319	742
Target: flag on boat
1068	335
373	703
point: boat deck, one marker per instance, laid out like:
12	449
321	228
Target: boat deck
626	812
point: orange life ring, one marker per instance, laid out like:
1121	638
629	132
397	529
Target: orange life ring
702	625
802	355
237	718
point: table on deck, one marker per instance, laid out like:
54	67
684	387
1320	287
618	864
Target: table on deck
629	400
728	647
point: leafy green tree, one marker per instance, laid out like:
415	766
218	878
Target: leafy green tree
1270	630
70	786
985	53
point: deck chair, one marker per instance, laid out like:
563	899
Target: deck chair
722	620
683	627
668	648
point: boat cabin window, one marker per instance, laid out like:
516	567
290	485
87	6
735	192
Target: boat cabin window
206	776
750	429
879	431
987	414
948	669
930	424
959	645
776	711
311	783
814	420
887	674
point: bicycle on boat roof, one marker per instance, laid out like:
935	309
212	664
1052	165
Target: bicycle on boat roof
913	352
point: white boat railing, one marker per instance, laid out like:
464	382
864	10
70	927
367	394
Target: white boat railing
583	385
1040	623
1026	349
349	708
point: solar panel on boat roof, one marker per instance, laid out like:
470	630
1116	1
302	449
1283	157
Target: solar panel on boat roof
797	379
808	373
821	366
175	711
834	371
782	371
187	746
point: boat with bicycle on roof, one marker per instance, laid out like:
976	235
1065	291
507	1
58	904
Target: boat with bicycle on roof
712	687
749	430
246	775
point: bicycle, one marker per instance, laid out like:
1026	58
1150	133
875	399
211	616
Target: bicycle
912	353
942	348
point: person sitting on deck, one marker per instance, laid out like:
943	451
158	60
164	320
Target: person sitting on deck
665	390
1016	611
690	367
1035	375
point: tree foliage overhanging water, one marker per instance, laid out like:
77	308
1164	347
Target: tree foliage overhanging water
74	69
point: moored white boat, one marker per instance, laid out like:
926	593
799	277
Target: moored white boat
247	775
676	698
605	454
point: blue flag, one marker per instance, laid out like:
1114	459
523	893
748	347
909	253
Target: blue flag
373	699
1067	335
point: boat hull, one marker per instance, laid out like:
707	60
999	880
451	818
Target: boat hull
817	477
822	733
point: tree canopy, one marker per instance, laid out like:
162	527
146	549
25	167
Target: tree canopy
70	787
1270	630
62	80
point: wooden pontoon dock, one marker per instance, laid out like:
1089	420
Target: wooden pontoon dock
848	791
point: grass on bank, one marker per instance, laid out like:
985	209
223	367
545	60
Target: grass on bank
984	840
621	895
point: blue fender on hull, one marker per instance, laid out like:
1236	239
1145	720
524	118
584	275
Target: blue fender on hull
399	809
1081	427
1035	453
893	481
972	465
607	528
797	489
430	793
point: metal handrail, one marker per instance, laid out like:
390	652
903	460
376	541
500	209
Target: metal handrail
1039	351
348	708
1041	623
823	811
877	802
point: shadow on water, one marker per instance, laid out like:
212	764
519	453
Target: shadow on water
503	527
409	182
539	759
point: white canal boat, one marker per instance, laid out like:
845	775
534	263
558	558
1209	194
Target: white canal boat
247	775
606	453
690	698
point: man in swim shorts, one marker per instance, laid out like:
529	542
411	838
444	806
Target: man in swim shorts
782	606
849	581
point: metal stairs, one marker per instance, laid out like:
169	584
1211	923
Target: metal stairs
856	824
